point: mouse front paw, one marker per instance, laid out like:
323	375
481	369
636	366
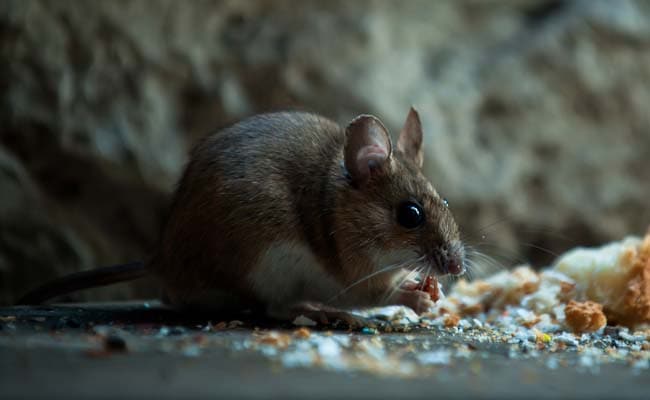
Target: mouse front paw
417	300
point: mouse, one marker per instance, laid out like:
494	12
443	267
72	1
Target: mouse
290	212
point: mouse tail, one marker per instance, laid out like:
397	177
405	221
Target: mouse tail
84	280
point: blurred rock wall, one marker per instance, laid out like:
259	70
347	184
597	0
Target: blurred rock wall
536	113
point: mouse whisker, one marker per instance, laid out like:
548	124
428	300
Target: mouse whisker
546	231
390	291
503	255
482	231
481	264
540	248
371	275
412	274
469	274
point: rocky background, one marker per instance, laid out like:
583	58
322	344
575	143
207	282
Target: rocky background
537	113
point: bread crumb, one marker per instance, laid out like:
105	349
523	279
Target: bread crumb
276	339
584	317
302	333
636	299
451	320
532	322
616	275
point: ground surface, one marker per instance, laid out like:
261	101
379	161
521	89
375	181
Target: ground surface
130	350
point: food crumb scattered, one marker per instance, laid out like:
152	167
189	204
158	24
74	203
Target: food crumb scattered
302	333
451	320
220	326
585	316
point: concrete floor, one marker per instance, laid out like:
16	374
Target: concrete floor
44	353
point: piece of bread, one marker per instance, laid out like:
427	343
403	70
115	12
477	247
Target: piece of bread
616	275
584	317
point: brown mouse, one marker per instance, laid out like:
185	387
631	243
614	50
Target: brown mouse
292	212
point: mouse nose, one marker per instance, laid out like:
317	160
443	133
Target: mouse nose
454	266
450	261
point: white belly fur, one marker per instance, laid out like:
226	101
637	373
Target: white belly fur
288	273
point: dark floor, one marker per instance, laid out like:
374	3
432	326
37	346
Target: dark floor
55	352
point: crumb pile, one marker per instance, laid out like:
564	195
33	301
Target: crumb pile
584	290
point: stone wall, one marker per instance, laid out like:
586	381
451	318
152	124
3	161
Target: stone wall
536	113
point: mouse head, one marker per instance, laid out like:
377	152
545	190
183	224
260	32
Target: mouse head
391	210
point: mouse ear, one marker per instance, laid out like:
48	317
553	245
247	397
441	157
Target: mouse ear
410	138
367	147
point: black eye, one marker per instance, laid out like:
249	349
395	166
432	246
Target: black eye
445	202
410	215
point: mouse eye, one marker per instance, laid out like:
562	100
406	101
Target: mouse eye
445	202
410	215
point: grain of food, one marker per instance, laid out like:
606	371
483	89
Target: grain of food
585	316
